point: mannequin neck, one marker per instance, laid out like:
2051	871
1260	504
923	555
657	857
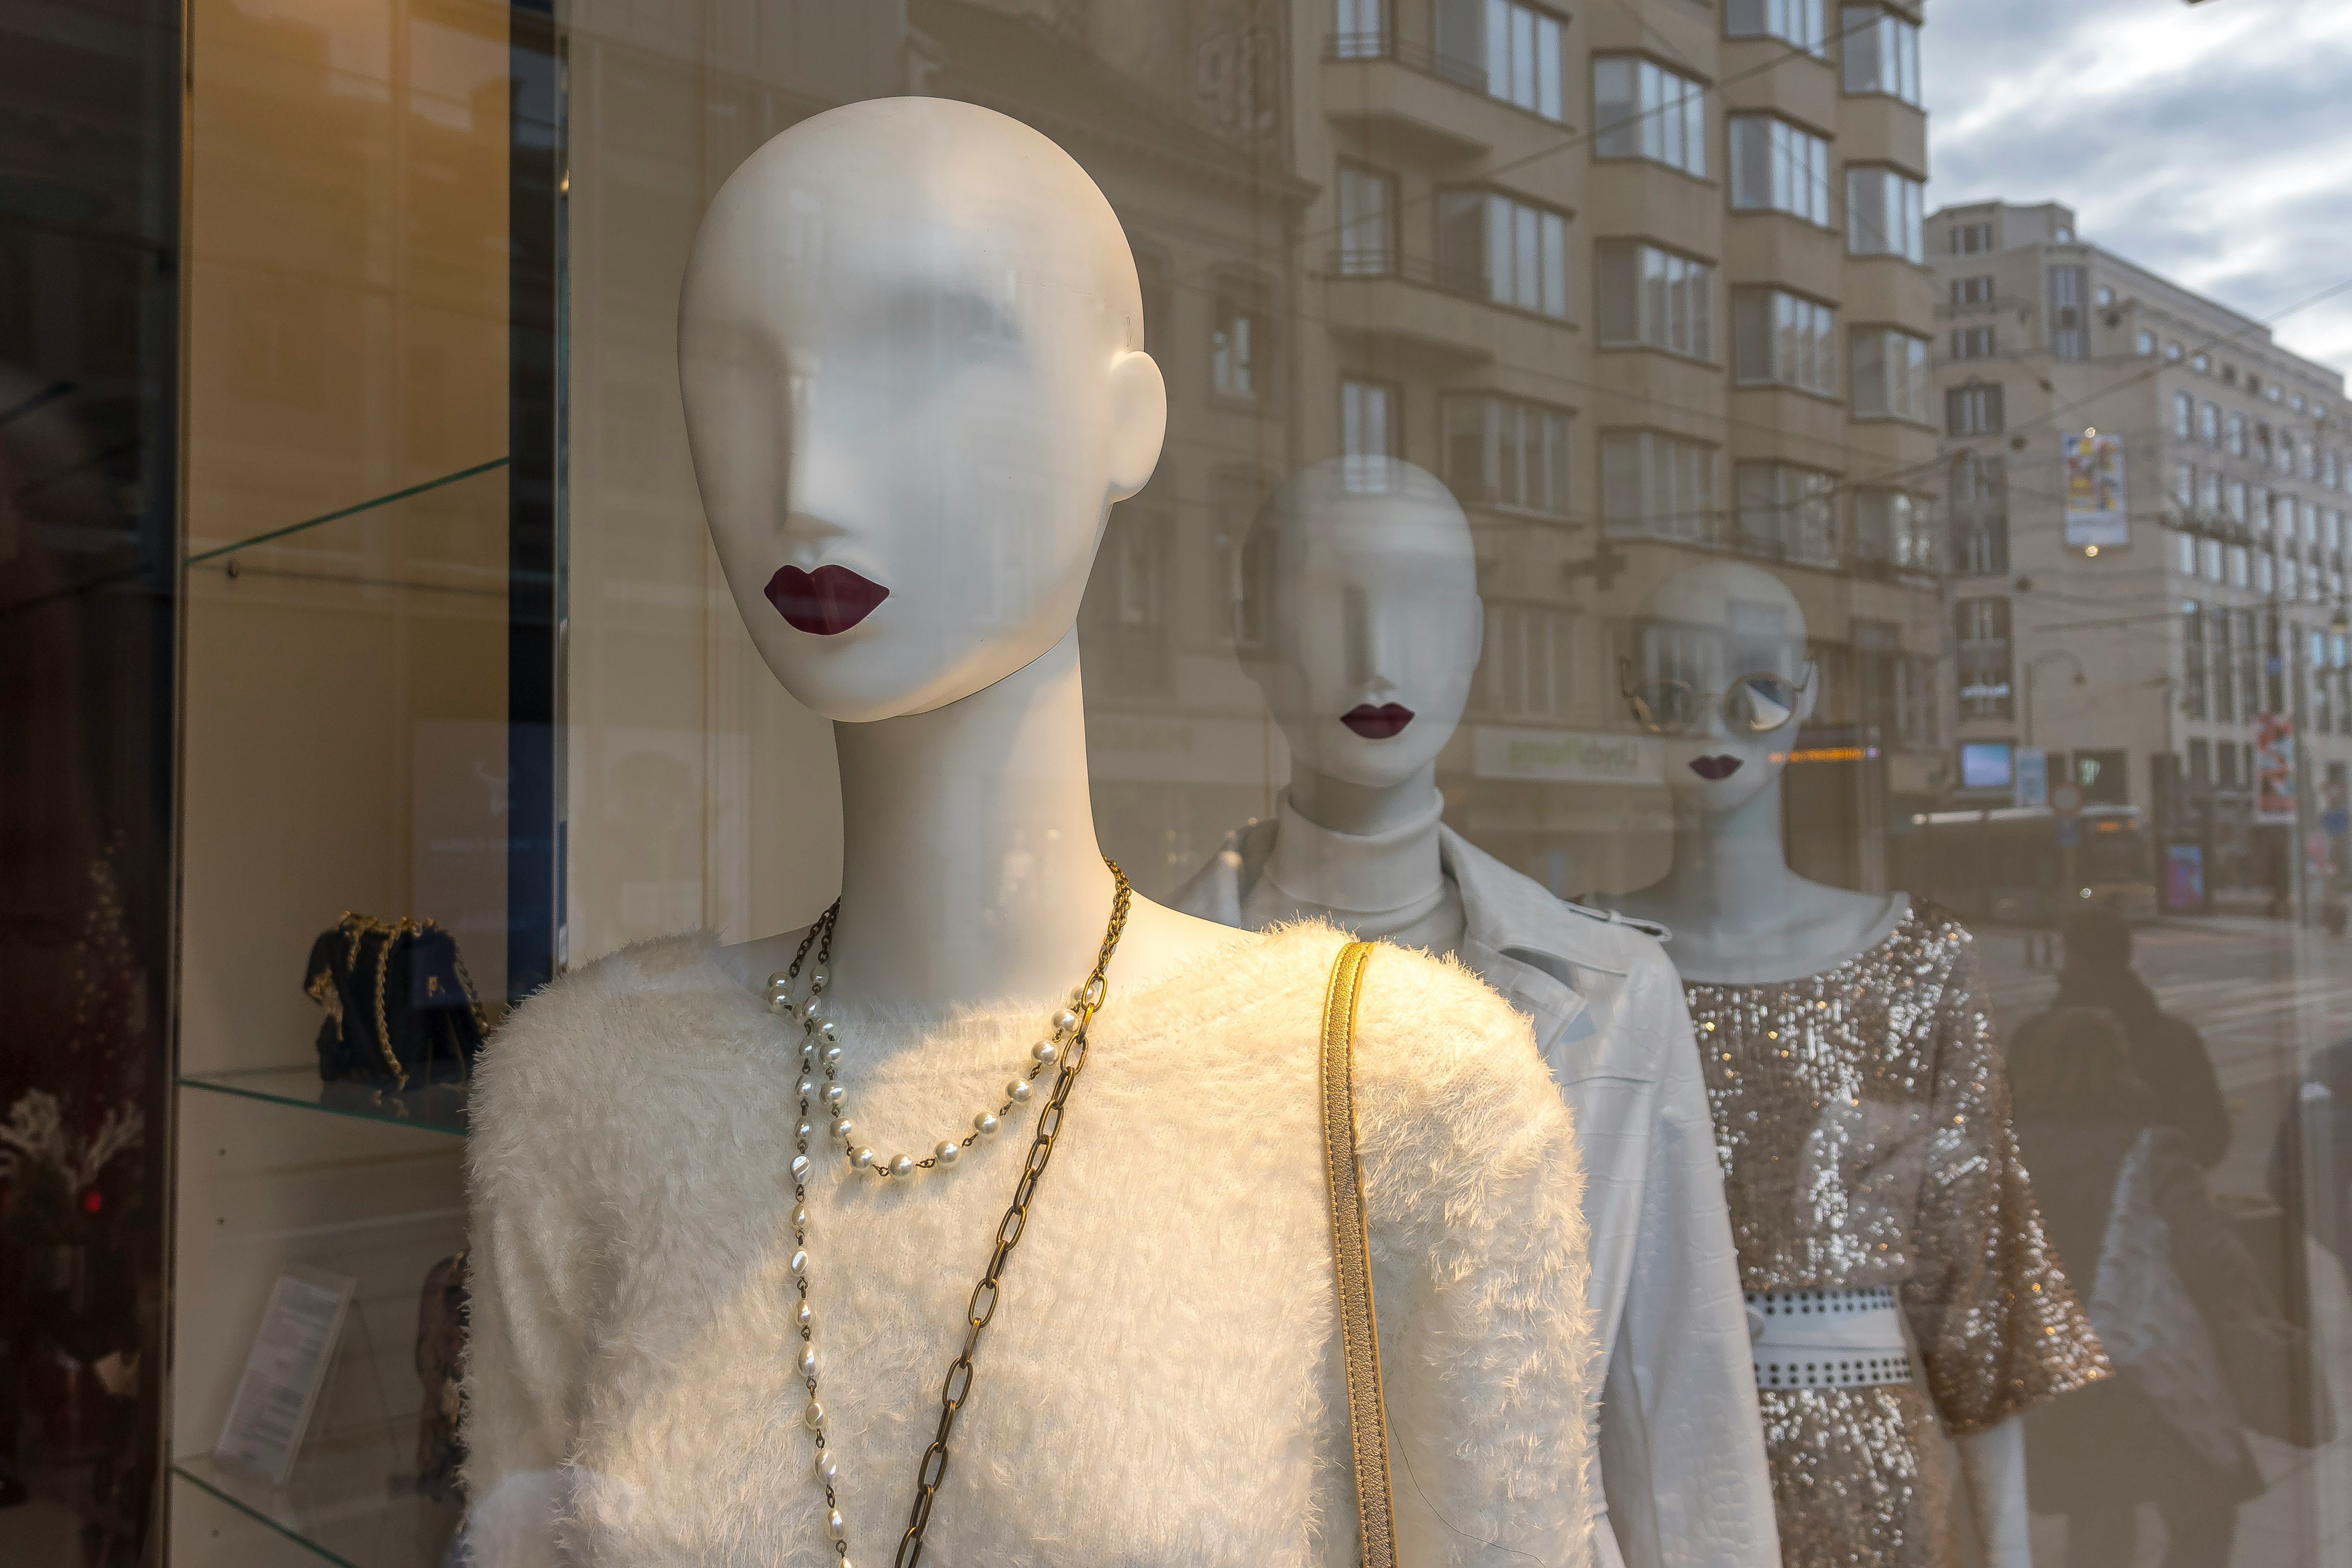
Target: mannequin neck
1731	868
1398	870
969	870
1342	807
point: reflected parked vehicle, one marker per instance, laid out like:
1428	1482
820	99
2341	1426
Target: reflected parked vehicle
2007	863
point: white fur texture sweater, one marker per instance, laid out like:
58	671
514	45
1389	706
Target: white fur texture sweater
1161	1384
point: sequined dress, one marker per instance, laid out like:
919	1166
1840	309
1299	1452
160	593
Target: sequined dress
1862	1117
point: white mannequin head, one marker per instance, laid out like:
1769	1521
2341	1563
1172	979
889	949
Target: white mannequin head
1374	625
1708	627
911	346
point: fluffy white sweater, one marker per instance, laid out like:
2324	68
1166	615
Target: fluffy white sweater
1161	1384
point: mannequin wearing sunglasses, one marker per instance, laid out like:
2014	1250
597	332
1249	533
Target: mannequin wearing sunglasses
1375	626
1861	1112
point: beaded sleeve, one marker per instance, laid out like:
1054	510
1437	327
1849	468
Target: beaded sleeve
1997	1324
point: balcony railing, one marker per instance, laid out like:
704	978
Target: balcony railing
1386	46
1382	261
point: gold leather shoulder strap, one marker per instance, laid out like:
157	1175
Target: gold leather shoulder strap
1368	1422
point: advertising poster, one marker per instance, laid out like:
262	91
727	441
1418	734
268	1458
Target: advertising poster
2184	877
2274	768
2094	491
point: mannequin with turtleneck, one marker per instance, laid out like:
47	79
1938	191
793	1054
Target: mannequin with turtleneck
910	350
1376	628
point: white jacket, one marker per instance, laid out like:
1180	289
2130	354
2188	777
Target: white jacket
1681	1449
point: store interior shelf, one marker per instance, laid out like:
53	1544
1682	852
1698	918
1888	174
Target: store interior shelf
437	1108
348	1504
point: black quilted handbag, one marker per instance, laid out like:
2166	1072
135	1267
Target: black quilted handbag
401	1010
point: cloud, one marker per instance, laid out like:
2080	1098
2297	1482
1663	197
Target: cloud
2209	143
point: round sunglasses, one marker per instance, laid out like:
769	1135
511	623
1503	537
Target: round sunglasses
1756	704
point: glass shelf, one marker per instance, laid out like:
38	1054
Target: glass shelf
350	1503
436	1108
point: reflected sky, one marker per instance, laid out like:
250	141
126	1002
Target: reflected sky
2207	142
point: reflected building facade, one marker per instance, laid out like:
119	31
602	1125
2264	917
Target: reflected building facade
2158	642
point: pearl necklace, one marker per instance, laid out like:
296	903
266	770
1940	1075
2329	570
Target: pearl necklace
1065	1049
821	1051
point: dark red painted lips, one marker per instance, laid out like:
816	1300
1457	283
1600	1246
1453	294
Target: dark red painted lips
823	602
1377	722
1715	768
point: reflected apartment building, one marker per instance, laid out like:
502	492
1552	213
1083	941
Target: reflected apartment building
2154	655
1644	285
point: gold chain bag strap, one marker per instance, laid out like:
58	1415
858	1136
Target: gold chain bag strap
1368	1421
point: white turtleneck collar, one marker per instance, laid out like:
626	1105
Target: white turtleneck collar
1391	883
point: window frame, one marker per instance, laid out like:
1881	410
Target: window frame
1555	461
1822	330
1737	177
1488	290
1912	219
1647	117
1856	334
1606	253
1853	40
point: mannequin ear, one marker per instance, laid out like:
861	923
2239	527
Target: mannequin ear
1138	422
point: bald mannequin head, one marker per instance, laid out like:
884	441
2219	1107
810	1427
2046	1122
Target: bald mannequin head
910	347
1375	624
1698	636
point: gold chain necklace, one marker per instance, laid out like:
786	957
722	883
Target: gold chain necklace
821	1053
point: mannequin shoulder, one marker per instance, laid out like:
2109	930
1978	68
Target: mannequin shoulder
612	1031
1434	1044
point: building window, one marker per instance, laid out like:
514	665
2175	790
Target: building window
1972	411
1976	493
1507	50
1509	251
1370	416
1972	290
2184	554
1891	529
2070	333
1973	343
2184	413
1654	299
1657	486
2192	687
2208	424
1882	53
1506	452
1798	22
1246	556
1980	627
1128	610
1890	374
2171	353
2234	500
1646	110
1786	513
2234	435
1775	167
1778	337
1528	661
1969	239
1884	214
1239	341
2236	562
1367	210
1359	29
2209	492
2144	343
